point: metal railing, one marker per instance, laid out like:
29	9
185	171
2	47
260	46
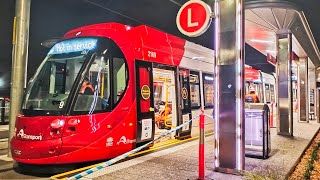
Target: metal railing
4	110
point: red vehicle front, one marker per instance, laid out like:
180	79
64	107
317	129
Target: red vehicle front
78	106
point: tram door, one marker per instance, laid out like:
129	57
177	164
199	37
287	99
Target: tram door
184	103
165	102
145	103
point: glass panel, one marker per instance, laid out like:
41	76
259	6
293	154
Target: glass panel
95	89
268	96
51	86
195	90
272	93
247	88
208	90
258	92
157	86
184	80
119	78
261	96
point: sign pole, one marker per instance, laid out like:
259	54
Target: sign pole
201	147
19	62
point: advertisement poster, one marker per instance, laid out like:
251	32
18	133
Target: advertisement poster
146	129
185	118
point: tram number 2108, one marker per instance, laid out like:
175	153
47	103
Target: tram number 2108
152	54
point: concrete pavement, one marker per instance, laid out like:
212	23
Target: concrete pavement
4	134
181	162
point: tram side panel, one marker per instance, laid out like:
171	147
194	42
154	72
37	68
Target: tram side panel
206	90
201	62
104	135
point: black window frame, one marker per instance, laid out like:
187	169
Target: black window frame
197	73
112	105
203	89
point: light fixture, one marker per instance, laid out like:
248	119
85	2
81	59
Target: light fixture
1	82
270	51
261	41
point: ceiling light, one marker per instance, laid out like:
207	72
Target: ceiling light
261	41
269	51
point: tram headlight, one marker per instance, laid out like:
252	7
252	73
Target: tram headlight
56	124
56	127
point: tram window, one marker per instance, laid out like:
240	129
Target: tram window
158	86
184	80
272	93
246	91
51	87
195	90
268	96
95	88
119	78
208	90
260	92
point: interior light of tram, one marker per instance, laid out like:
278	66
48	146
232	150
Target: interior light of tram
208	78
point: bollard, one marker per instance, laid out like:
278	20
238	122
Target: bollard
201	146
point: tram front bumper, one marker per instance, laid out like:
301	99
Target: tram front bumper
36	152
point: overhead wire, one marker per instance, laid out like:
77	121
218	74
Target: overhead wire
116	12
123	15
175	2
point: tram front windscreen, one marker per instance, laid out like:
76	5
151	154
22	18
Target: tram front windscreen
50	87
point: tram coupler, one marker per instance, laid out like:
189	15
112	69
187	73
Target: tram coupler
201	147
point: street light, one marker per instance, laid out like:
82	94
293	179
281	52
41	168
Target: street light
1	83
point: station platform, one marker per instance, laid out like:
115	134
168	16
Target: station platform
4	134
181	161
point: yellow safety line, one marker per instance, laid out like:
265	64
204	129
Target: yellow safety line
74	171
154	149
162	143
173	142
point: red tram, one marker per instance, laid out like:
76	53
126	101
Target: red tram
143	82
105	89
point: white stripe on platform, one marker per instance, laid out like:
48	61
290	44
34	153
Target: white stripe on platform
4	140
5	158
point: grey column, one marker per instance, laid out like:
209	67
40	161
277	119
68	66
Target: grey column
284	84
19	60
318	106
303	90
229	92
311	91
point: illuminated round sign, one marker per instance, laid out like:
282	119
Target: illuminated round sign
145	92
184	93
194	18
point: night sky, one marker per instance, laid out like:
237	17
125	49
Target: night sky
52	18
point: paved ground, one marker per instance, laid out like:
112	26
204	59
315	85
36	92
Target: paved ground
285	150
4	133
181	162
